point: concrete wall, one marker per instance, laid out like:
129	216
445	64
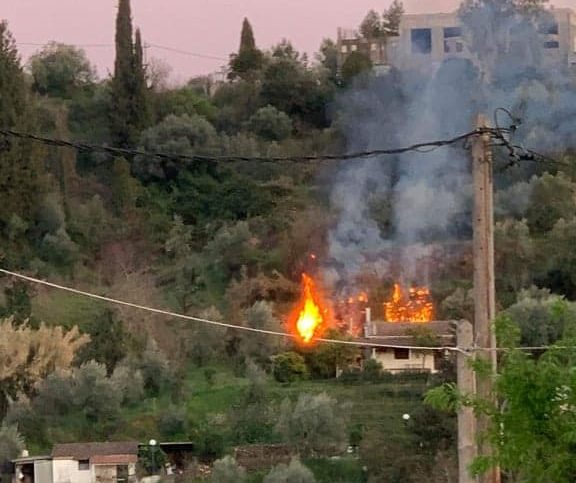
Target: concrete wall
66	471
417	361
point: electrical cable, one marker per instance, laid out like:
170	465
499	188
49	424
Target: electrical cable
80	146
213	322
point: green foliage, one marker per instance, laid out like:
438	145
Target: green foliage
124	188
324	360
553	198
11	447
315	424
109	341
371	27
173	422
226	470
392	17
152	459
295	472
372	370
270	124
61	70
17	303
289	367
249	60
129	99
355	65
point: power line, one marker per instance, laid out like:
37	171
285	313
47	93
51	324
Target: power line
213	322
80	146
186	52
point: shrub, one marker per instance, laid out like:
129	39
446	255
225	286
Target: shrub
226	470
289	367
295	472
271	124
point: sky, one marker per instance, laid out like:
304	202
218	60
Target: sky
208	27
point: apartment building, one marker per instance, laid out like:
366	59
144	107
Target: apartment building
427	40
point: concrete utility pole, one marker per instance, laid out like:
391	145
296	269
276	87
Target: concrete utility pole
466	418
484	290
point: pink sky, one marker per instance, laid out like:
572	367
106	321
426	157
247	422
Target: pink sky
201	26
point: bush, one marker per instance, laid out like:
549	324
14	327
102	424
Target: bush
271	124
226	470
289	367
295	472
173	422
372	371
11	446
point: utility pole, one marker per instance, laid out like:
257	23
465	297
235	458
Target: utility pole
484	289
466	418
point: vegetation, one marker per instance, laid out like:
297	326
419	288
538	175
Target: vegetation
228	241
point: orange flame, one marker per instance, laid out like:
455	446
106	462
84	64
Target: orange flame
416	307
311	316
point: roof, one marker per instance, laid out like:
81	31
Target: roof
31	459
84	451
410	334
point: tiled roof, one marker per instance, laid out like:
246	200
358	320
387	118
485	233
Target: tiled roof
410	334
84	451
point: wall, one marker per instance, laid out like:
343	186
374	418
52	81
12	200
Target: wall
417	361
43	471
66	471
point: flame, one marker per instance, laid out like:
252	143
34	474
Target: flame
311	316
417	306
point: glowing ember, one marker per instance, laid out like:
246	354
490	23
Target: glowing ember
416	306
311	316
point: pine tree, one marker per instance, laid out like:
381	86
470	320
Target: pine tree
392	17
20	167
249	59
129	108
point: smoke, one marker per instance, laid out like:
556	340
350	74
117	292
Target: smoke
403	204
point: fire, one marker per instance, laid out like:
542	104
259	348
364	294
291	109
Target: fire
416	306
311	315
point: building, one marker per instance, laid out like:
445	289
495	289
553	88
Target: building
403	336
81	463
425	41
429	40
375	49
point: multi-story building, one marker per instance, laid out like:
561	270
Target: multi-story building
427	40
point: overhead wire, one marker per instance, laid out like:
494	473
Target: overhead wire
81	146
357	343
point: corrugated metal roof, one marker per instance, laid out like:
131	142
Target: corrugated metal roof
84	451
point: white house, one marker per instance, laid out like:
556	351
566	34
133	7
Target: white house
401	357
113	462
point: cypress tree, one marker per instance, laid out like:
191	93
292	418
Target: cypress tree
249	59
129	110
140	108
20	167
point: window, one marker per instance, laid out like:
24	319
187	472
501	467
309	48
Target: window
550	29
83	465
553	44
459	47
421	41
354	48
401	354
344	49
374	47
452	32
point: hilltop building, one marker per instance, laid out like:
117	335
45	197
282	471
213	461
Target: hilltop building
427	40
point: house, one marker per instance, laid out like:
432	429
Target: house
113	462
401	357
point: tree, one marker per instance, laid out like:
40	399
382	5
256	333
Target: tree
271	124
129	108
226	470
553	197
289	367
27	356
371	26
61	70
325	360
392	17
295	472
124	188
249	60
21	172
355	64
261	348
315	424
11	447
328	57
